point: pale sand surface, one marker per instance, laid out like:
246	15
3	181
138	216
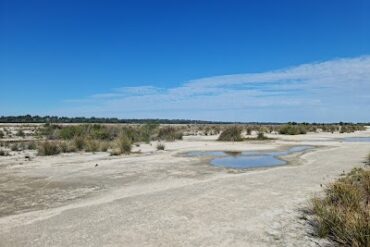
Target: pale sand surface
161	198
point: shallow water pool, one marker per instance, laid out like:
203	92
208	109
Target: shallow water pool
357	139
244	160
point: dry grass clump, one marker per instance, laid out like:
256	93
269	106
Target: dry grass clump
169	133
343	214
124	144
20	133
349	128
48	148
261	136
290	129
231	134
4	153
14	147
92	145
160	146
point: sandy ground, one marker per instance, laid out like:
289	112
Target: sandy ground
161	198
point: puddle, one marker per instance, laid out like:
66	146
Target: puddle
357	139
244	160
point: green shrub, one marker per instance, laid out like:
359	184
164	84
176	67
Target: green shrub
343	214
1	134
169	133
232	133
48	148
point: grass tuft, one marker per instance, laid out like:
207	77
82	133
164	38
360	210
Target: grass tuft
4	153
124	144
48	148
343	214
231	134
169	133
160	146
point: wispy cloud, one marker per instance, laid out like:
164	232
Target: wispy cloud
323	91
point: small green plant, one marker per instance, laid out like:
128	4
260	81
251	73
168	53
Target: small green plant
343	213
1	134
160	146
231	134
48	148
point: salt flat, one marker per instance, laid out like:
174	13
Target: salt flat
161	198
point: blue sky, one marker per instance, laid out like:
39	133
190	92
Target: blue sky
210	60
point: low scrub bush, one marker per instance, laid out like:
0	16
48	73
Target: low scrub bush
48	148
4	153
261	136
160	146
343	214
124	144
92	145
20	133
1	134
231	134
169	133
31	145
79	142
290	129
15	147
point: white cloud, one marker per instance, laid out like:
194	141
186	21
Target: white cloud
323	91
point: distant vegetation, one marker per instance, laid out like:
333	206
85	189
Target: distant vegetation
231	134
56	119
343	214
292	129
96	137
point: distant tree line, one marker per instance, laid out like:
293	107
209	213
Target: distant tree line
56	119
